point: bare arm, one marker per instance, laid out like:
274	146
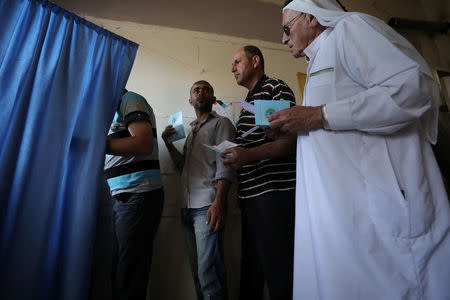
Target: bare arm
139	143
176	156
240	156
217	211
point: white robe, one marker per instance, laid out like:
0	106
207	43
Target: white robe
372	214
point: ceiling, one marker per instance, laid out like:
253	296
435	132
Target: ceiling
253	19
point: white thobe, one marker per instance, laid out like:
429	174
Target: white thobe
372	214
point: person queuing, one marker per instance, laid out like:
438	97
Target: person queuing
134	178
266	185
372	214
205	184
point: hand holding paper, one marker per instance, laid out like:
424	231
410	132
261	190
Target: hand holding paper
221	147
176	120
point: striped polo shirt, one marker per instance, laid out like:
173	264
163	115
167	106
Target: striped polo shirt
268	175
133	174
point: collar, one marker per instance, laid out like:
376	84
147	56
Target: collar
212	114
312	49
258	85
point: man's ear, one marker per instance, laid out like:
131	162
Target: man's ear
256	61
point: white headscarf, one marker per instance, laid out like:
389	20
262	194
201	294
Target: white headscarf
329	13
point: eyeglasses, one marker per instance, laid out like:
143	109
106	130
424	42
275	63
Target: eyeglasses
287	27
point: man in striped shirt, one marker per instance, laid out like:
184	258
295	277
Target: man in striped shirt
266	180
134	178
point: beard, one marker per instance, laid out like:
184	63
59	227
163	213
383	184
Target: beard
204	106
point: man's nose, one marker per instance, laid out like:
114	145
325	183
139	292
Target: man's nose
233	68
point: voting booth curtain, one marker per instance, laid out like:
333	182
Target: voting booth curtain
60	81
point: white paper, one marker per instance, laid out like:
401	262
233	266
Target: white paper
221	147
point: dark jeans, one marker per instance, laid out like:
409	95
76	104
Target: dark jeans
267	245
205	251
135	219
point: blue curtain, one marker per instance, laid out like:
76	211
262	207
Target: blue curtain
60	81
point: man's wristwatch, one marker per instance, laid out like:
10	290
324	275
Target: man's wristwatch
323	115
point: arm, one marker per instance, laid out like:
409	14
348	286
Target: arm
240	156
215	216
224	176
397	82
139	143
395	86
176	156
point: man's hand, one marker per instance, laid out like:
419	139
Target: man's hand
239	156
215	216
297	119
167	132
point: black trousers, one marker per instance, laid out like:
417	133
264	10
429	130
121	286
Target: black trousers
267	245
135	219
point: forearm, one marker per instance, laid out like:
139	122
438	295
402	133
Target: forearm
129	146
380	109
223	186
176	156
280	147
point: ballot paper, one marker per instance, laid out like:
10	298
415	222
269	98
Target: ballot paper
176	120
221	147
265	108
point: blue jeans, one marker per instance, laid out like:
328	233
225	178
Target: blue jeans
135	219
205	251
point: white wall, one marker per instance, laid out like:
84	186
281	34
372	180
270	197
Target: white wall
167	63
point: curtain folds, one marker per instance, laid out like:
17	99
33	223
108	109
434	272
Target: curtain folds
60	80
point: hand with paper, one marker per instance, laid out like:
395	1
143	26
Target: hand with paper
175	130
220	148
297	119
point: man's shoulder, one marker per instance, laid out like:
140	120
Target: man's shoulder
221	120
272	82
358	22
132	102
132	96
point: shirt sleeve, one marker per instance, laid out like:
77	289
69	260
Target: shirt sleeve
135	108
282	91
178	160
396	88
224	131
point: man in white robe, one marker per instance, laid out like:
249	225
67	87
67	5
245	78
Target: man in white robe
372	214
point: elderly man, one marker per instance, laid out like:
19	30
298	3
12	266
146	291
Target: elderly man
372	215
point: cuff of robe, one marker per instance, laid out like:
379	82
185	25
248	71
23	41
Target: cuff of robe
339	116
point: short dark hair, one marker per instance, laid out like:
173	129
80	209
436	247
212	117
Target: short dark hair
198	82
251	51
